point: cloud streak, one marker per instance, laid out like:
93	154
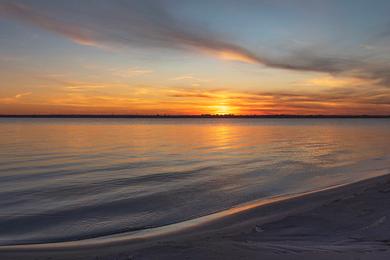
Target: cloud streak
139	23
341	100
153	24
27	14
131	72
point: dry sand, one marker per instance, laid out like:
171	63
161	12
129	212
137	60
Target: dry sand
348	222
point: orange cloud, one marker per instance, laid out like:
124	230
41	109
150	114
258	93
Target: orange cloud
15	99
332	81
82	97
232	55
131	72
190	77
23	94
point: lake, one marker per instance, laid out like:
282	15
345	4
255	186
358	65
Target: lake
70	179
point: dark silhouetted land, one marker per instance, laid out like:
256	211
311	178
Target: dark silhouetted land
192	116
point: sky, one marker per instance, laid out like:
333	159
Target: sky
195	57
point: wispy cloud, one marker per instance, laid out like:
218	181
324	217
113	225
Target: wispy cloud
333	81
86	97
20	95
15	99
151	24
27	14
341	100
190	78
84	87
131	72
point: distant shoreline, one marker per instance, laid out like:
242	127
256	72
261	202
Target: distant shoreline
193	116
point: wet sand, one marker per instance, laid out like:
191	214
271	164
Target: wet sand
346	222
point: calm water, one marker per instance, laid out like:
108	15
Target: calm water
68	179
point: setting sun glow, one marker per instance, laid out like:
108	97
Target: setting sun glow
222	110
157	57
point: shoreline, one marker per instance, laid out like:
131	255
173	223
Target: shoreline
162	116
155	232
247	226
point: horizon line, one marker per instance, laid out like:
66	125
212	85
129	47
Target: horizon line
186	116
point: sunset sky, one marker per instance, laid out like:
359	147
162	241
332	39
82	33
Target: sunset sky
195	57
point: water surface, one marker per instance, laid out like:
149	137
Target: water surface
70	179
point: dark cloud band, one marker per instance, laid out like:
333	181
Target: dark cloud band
152	24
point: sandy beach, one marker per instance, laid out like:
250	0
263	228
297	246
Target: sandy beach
346	222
